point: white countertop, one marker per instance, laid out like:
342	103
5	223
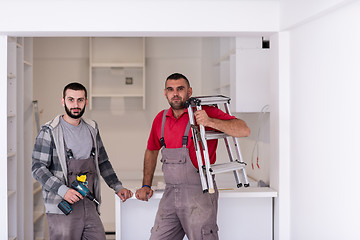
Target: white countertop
226	185
236	193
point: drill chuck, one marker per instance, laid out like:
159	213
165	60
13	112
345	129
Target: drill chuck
90	196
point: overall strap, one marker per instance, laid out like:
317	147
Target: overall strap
93	150
69	152
162	141
186	134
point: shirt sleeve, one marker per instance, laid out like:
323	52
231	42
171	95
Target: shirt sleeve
42	160
106	169
214	112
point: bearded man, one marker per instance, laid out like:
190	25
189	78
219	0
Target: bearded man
184	209
68	147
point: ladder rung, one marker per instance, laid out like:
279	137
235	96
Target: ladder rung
209	135
208	100
226	167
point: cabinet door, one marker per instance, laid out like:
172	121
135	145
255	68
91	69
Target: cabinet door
244	73
250	88
12	156
19	139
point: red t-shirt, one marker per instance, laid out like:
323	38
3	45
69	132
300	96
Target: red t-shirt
174	130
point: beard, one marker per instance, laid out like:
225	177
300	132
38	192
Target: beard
179	104
74	116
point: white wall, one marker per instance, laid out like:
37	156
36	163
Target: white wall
324	127
109	17
3	139
295	12
165	56
279	133
58	61
210	65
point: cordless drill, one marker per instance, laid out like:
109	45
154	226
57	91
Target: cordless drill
79	186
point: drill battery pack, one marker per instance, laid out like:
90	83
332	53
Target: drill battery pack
65	207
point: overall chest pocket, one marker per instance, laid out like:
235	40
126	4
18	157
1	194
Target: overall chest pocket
174	165
173	161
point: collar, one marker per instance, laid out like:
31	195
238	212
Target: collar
170	113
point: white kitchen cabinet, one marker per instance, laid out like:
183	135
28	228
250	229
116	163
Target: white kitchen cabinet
117	68
21	195
244	73
245	213
12	156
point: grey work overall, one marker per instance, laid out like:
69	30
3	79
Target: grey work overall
184	208
84	221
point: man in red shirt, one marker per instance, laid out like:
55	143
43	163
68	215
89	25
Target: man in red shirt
184	208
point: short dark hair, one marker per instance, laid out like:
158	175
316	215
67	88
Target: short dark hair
177	76
75	86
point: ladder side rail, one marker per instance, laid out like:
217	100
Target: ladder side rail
246	180
197	151
238	153
230	153
237	149
236	143
206	156
228	148
204	184
231	157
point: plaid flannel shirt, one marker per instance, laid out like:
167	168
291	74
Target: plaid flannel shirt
49	165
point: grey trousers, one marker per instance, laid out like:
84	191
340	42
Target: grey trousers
82	223
184	208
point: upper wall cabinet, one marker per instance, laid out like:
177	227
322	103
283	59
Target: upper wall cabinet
117	68
244	73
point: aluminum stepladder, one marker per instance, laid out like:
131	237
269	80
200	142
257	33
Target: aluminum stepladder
200	136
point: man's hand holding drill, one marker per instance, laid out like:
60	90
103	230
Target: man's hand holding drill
72	196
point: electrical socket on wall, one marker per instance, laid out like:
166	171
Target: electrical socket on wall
128	80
